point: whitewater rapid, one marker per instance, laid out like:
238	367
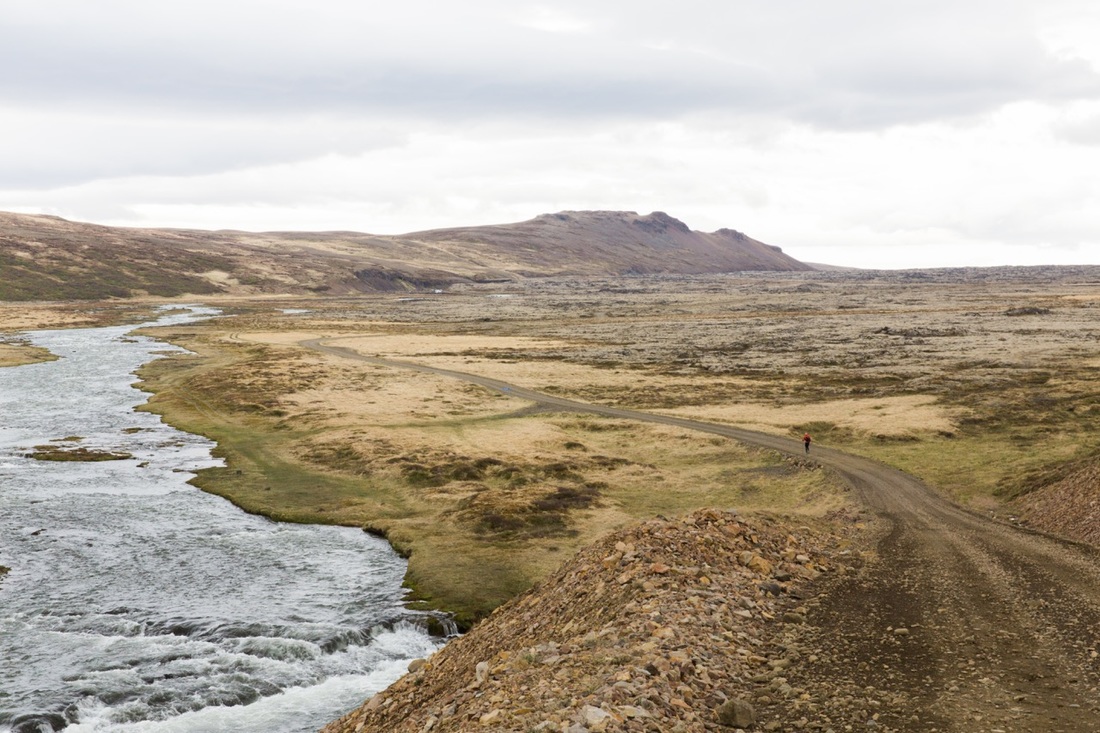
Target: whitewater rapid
137	603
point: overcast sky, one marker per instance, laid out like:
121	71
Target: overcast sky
873	133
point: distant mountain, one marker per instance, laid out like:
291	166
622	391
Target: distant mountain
49	258
610	242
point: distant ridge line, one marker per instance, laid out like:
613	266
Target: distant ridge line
44	257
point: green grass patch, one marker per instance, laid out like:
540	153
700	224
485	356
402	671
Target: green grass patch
977	468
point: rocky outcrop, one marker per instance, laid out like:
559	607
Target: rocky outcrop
672	625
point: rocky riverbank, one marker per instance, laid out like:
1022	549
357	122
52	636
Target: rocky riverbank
686	624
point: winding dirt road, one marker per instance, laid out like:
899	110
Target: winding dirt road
963	624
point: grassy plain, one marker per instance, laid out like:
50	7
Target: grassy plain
483	493
981	382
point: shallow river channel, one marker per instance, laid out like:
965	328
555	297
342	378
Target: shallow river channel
138	603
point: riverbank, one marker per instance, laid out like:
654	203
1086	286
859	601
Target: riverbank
18	317
136	600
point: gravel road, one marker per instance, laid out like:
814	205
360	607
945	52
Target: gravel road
963	623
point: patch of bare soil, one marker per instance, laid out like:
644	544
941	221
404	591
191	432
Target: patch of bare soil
717	622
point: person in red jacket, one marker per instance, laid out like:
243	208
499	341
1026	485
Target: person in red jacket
806	441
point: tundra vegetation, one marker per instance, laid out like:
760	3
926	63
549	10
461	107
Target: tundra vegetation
981	382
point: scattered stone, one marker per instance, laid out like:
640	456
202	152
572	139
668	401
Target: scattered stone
664	652
596	719
737	713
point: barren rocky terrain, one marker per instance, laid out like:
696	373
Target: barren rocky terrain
672	625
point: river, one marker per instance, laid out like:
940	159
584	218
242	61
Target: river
139	604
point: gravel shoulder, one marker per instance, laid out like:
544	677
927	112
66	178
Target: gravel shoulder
962	624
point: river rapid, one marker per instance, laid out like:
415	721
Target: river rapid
139	604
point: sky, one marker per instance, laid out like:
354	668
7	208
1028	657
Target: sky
864	133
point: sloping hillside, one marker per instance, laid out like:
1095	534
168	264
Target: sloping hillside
602	242
1069	505
48	258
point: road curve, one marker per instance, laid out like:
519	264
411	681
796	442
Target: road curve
1001	625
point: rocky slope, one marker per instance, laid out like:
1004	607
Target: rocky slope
681	625
1068	506
48	258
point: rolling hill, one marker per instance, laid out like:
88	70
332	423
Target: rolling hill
49	258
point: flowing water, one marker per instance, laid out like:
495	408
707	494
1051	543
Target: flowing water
137	603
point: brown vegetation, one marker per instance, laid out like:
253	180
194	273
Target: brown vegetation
69	453
19	353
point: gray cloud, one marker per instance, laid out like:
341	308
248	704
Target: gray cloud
842	64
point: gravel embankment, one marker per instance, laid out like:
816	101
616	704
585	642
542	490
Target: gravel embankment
687	624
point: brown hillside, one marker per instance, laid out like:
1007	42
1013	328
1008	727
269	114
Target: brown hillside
615	242
48	258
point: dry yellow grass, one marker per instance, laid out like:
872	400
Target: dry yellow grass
19	354
904	415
